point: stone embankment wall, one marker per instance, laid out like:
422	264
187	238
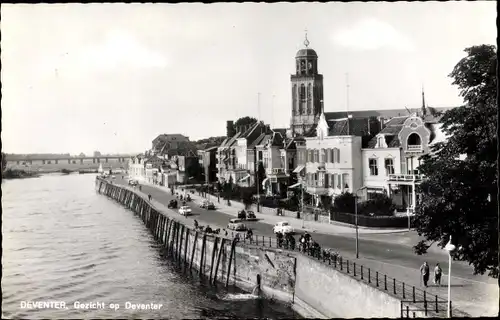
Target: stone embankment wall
314	289
217	258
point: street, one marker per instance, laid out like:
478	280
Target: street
395	260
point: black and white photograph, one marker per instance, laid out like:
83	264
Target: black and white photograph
249	160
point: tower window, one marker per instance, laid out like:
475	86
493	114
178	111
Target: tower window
302	92
309	99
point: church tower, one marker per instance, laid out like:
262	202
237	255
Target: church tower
307	91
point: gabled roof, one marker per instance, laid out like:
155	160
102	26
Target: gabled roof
390	132
350	126
387	113
257	141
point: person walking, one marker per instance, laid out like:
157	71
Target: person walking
437	274
424	272
149	197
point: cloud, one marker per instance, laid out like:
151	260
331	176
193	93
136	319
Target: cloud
121	49
372	34
118	50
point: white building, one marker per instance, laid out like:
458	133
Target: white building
333	161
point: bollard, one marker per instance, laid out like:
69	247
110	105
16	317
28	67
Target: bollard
437	309
263	241
376	278
361	272
347	266
369	276
385	282
341	264
404	291
394	284
413	294
354	268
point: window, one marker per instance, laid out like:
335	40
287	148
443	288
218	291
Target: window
389	166
345	179
260	155
327	180
373	167
309	99
316	155
316	179
339	181
336	155
302	92
323	156
334	180
414	141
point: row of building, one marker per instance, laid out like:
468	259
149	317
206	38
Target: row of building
363	152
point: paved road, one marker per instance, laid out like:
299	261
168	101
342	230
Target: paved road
394	259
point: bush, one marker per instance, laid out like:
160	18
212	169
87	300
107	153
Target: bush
380	205
344	203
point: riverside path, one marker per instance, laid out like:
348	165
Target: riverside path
474	294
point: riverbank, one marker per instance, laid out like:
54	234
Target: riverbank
366	291
19	174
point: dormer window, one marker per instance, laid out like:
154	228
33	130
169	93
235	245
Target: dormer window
381	142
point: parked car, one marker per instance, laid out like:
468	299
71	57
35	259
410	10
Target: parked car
205	204
133	182
172	204
185	210
236	225
251	215
242	215
283	227
210	206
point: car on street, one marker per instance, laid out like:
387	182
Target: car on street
133	182
251	216
242	215
172	204
283	227
185	210
236	225
205	204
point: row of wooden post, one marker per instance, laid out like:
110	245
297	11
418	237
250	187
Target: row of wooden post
172	234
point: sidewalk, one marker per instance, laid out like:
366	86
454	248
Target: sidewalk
478	298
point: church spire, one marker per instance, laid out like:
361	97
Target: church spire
424	110
306	41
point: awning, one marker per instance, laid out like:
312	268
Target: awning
298	169
244	178
294	185
264	181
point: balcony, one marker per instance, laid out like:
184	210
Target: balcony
414	148
412	178
276	172
317	189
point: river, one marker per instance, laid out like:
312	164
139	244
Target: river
63	242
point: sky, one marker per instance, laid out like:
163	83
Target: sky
111	77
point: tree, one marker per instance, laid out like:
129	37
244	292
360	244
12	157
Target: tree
344	203
246	197
230	129
261	174
459	197
4	162
245	121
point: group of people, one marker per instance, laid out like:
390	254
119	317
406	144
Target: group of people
425	273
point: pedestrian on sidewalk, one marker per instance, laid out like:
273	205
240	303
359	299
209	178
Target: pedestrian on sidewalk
437	275
424	271
149	197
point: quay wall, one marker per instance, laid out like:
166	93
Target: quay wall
314	289
214	257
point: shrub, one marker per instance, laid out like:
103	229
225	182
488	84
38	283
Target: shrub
344	203
380	205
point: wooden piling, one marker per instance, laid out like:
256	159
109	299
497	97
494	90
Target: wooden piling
179	249
222	247
214	252
202	258
231	255
193	250
186	242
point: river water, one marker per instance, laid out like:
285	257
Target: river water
63	242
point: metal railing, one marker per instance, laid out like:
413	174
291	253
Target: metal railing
420	300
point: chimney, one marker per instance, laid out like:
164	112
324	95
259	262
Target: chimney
230	129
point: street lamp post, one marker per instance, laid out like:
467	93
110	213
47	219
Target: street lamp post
356	222
356	219
449	247
302	200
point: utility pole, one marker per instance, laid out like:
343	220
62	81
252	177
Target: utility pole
302	200
347	100
255	169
